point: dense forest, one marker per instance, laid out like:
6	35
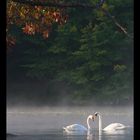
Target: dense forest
87	60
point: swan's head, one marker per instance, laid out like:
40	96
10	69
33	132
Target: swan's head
96	114
92	117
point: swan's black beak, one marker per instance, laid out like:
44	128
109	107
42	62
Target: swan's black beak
93	118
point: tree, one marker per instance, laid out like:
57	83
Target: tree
88	56
32	19
38	16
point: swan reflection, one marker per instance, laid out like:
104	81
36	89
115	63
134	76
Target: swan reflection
94	136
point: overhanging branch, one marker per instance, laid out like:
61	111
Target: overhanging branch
59	5
74	5
115	22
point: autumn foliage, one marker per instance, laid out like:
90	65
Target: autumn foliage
32	19
38	16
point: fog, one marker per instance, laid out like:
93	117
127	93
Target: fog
28	120
37	93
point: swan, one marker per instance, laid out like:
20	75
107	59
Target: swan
74	128
111	128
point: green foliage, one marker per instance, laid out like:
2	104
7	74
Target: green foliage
89	54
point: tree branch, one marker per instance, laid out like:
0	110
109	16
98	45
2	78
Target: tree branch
59	5
74	5
115	22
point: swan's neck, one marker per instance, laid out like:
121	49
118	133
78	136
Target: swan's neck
88	122
100	123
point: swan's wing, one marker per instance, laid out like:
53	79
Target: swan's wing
114	126
75	127
120	126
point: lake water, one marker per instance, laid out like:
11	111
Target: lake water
45	123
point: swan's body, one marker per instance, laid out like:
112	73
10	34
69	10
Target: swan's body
114	126
78	127
111	128
75	127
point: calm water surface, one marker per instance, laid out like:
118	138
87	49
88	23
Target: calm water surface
46	123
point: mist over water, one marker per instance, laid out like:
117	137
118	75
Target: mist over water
48	121
31	117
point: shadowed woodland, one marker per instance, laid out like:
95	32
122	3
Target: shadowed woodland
76	56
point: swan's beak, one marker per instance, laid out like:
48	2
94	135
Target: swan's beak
93	118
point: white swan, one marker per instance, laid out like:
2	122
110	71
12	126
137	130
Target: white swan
75	128
111	128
